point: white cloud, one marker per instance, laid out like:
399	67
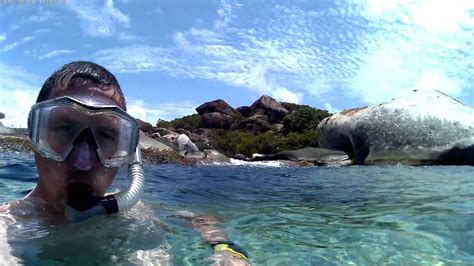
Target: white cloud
181	41
443	16
3	37
413	44
433	16
152	112
129	37
15	44
225	15
206	35
330	108
55	53
286	95
16	83
436	80
372	51
42	16
99	20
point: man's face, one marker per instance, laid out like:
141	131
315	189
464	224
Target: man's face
83	165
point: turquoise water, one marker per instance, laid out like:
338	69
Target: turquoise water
281	215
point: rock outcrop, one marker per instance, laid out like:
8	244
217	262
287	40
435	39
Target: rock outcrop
218	114
217	120
255	124
6	130
315	155
149	143
426	127
270	107
187	147
145	126
219	106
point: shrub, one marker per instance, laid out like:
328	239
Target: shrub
303	118
299	140
189	122
246	143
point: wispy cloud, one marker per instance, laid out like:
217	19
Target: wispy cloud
225	14
99	20
3	37
330	108
17	83
425	45
15	44
152	112
41	16
54	53
129	37
371	50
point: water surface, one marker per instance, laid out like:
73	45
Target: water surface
281	215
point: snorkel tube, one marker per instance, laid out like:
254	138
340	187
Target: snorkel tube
86	207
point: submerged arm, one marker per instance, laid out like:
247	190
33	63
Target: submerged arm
225	251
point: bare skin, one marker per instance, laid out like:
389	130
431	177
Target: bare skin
83	166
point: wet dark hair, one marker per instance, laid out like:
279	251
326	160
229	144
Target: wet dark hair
77	72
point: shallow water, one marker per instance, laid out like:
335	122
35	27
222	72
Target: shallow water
281	215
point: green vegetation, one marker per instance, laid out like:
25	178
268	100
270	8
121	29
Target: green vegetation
303	118
239	141
189	122
299	131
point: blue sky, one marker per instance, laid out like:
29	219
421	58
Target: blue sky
171	56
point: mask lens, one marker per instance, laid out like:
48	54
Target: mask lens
61	125
107	132
113	135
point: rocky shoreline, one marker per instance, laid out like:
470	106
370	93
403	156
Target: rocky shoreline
424	128
10	143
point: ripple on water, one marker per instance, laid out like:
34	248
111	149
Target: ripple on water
285	216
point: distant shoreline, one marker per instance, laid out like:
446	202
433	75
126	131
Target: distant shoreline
14	143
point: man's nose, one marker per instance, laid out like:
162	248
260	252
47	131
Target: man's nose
83	156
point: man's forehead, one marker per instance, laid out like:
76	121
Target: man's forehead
88	92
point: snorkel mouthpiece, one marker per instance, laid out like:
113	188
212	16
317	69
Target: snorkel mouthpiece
82	205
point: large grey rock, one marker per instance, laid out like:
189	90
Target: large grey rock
172	136
242	157
212	156
163	131
145	126
244	110
6	130
318	155
219	106
149	143
168	142
187	147
255	123
424	127
217	120
2	115
273	109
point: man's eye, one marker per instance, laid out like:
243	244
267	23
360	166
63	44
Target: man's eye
108	136
63	128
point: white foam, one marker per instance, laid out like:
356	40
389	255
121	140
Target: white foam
257	164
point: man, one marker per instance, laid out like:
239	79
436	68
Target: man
81	134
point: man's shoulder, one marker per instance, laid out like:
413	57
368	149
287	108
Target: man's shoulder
8	206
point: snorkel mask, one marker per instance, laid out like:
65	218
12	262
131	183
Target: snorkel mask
58	125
